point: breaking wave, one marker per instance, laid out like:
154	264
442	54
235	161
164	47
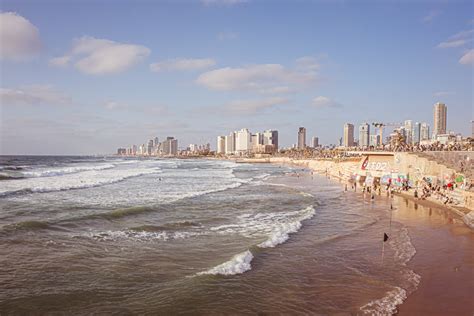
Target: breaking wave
86	179
237	265
281	232
66	170
404	252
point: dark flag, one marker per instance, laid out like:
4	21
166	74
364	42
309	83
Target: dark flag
385	237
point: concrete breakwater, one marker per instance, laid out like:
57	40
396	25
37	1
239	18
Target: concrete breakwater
379	167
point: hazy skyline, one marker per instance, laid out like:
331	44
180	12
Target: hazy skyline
85	78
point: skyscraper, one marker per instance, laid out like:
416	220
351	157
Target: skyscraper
408	131
348	137
301	138
364	135
242	141
220	144
440	113
230	143
416	133
315	142
424	131
270	137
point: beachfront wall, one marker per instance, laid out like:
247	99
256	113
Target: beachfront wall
397	166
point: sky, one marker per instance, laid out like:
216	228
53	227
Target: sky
87	77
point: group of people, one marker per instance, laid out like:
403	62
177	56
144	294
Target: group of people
440	192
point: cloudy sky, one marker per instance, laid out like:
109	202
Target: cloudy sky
86	77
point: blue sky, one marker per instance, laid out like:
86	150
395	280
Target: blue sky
86	77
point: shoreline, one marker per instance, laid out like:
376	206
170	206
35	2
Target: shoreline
436	269
340	170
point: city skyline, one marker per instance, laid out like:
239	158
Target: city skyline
71	87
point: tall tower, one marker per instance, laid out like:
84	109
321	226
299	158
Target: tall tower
348	136
440	114
301	138
364	135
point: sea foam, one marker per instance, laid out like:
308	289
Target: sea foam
66	170
80	180
237	265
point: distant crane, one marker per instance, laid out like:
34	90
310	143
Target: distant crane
380	126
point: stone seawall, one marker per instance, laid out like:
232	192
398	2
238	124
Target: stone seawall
403	164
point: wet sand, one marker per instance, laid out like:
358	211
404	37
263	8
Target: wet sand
444	257
444	260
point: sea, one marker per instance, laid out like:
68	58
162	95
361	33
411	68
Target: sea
126	236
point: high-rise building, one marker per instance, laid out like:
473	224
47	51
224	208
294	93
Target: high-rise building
440	113
230	144
424	131
242	141
270	137
150	147
301	138
416	133
315	142
408	125
169	146
364	135
348	137
220	145
374	140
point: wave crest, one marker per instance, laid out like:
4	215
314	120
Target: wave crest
237	265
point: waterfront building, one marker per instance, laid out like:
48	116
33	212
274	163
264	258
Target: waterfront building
169	146
348	136
440	113
270	137
315	142
416	133
242	141
150	147
408	125
301	138
374	140
364	135
220	145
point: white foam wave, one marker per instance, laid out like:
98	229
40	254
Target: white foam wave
404	249
66	170
141	236
281	232
237	265
276	226
86	179
387	305
404	252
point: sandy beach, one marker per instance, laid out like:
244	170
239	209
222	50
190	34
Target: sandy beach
444	256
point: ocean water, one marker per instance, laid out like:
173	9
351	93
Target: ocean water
83	235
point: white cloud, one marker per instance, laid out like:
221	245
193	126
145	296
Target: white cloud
33	95
101	56
307	63
223	36
254	106
222	2
457	40
442	93
463	34
60	61
321	102
467	58
259	78
183	64
19	38
453	43
431	16
113	105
